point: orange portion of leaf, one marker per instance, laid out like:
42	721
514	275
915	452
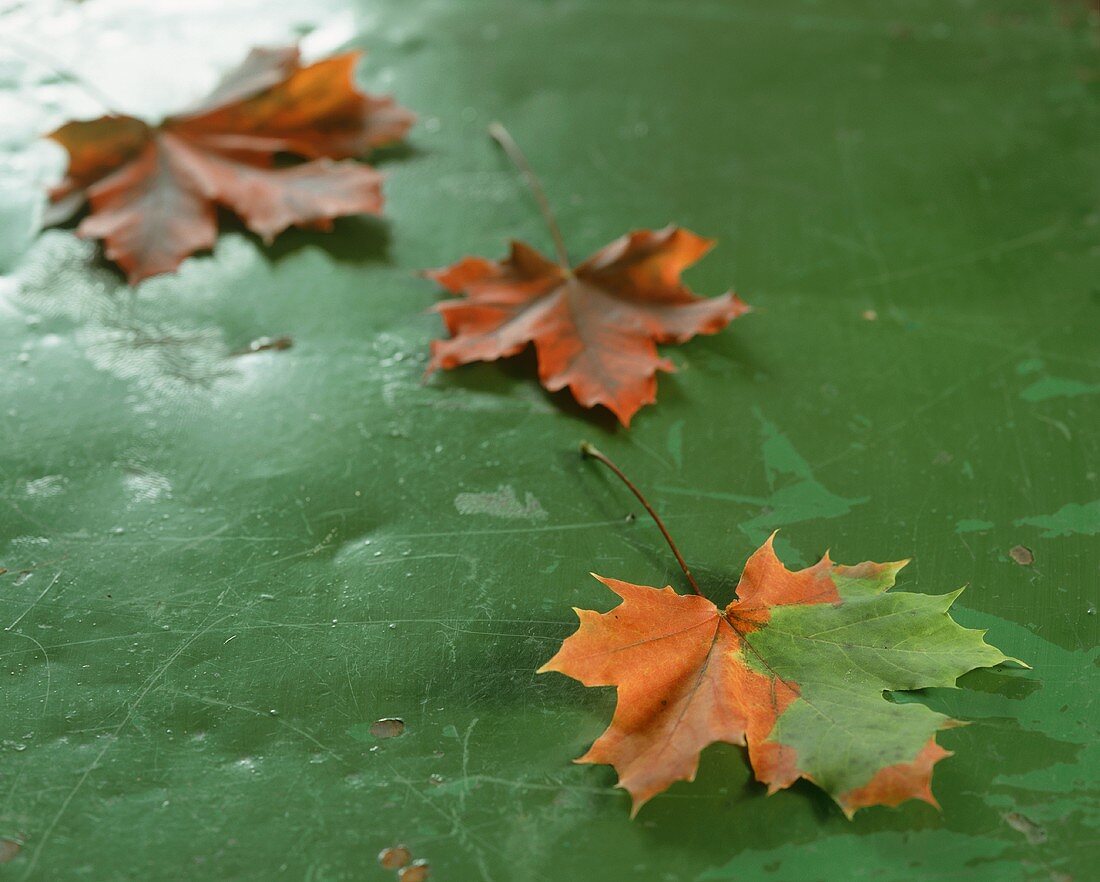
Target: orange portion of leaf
892	785
596	328
153	191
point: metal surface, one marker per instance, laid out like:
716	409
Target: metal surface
224	568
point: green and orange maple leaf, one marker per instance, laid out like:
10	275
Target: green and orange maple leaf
154	190
797	668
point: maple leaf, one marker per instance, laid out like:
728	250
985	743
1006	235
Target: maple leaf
796	668
154	190
594	328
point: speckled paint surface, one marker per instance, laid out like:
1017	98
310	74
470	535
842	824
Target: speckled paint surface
223	569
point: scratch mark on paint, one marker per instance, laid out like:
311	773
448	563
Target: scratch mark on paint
297	730
1058	424
713	494
973	526
49	673
113	737
965	258
676	443
20	617
466	761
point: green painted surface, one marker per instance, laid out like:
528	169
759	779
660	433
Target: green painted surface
222	569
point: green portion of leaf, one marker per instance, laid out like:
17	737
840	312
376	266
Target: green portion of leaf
843	657
843	736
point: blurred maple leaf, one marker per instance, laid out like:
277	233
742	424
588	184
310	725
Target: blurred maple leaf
154	190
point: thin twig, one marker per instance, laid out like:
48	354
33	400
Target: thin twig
587	450
507	143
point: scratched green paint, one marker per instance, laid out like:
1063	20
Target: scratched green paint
973	525
796	494
224	568
870	857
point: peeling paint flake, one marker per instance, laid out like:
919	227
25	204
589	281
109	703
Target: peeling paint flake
1057	387
501	503
1069	519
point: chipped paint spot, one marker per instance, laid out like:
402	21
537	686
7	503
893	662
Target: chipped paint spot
1069	519
387	727
395	857
1033	833
500	503
1023	555
417	871
9	849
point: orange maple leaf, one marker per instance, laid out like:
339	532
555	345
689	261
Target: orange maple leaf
595	328
795	669
154	190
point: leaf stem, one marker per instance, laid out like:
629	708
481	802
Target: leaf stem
508	144
590	452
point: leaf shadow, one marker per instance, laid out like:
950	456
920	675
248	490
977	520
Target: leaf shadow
1012	683
726	791
519	369
398	153
730	797
357	239
730	348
